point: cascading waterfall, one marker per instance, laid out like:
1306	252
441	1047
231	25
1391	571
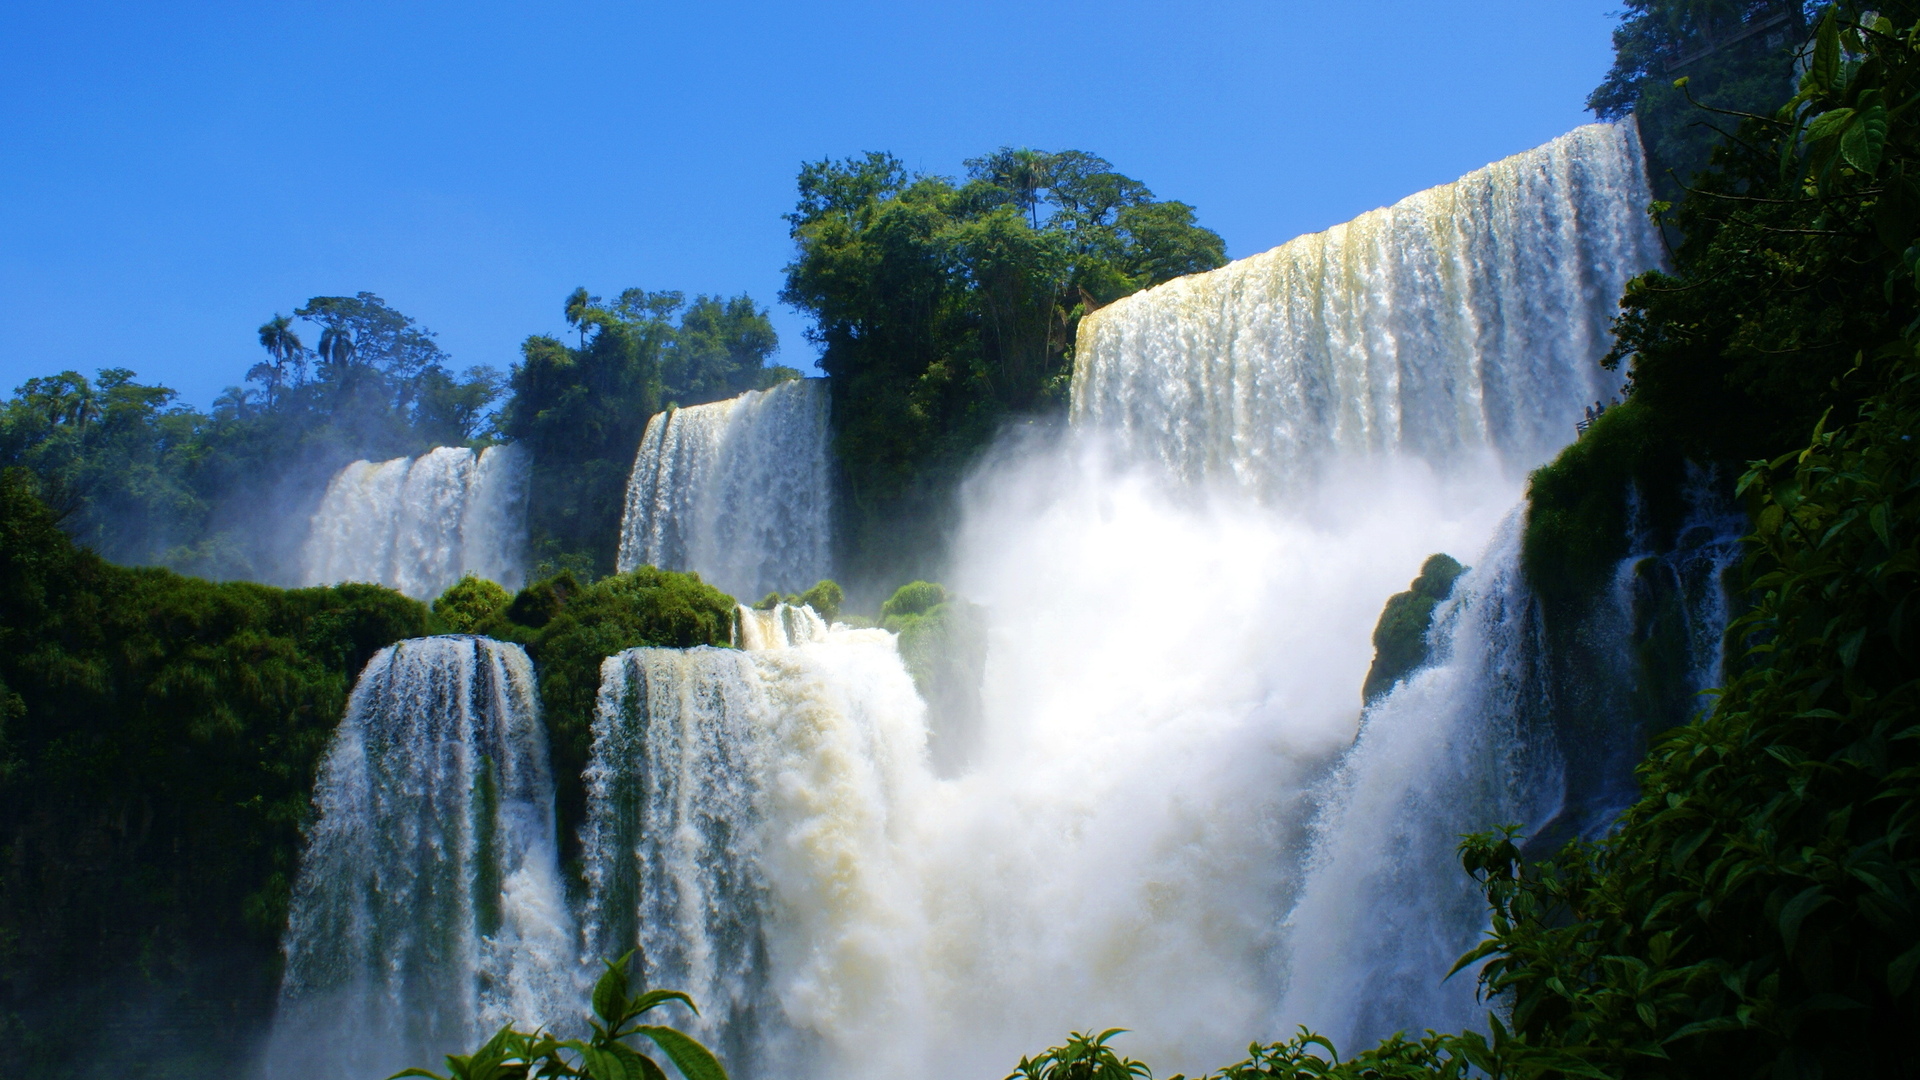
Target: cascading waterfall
737	490
1463	319
743	832
429	908
1485	735
1167	822
419	524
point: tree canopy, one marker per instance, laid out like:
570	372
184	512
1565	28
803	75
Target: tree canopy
944	307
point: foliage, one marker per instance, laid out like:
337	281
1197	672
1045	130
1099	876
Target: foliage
1400	637
943	644
825	599
1578	513
581	409
472	606
569	630
1735	54
143	479
519	1055
1755	912
161	736
913	598
943	308
1084	1057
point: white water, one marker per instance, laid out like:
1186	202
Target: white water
419	524
1180	593
429	908
737	490
744	832
1463	319
1167	824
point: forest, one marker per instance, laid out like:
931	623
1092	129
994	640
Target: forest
1755	912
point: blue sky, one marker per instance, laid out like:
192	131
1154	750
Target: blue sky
173	174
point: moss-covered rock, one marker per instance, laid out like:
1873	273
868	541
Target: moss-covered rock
578	627
943	643
1580	505
1400	638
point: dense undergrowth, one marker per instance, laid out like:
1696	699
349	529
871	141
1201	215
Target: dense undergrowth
159	737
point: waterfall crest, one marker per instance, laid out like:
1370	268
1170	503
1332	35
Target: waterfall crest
737	490
743	831
429	908
419	524
1462	321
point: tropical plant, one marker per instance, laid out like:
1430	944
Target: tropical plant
1084	1057
521	1055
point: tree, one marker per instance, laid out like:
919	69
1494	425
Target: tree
1735	54
285	350
944	308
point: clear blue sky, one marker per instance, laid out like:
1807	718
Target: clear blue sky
173	174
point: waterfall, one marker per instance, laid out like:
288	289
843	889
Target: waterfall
1175	817
1497	729
429	908
737	490
743	833
419	524
1462	321
1385	909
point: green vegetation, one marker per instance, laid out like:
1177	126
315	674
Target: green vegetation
226	493
517	1055
1400	637
569	629
142	479
943	643
159	737
1757	911
470	604
944	308
1734	54
581	408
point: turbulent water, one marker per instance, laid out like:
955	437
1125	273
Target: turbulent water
419	524
738	490
1463	319
744	832
429	908
1173	816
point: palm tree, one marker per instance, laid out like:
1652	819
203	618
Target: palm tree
579	305
283	345
336	346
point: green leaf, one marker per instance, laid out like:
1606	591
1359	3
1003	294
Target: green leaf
610	993
604	1065
694	1061
1863	141
1796	912
653	999
1829	124
1900	973
1825	66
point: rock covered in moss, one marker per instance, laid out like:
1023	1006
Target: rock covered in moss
1400	638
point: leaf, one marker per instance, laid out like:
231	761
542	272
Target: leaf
1863	141
610	993
1796	912
604	1065
1829	124
653	999
694	1061
1825	66
1900	973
